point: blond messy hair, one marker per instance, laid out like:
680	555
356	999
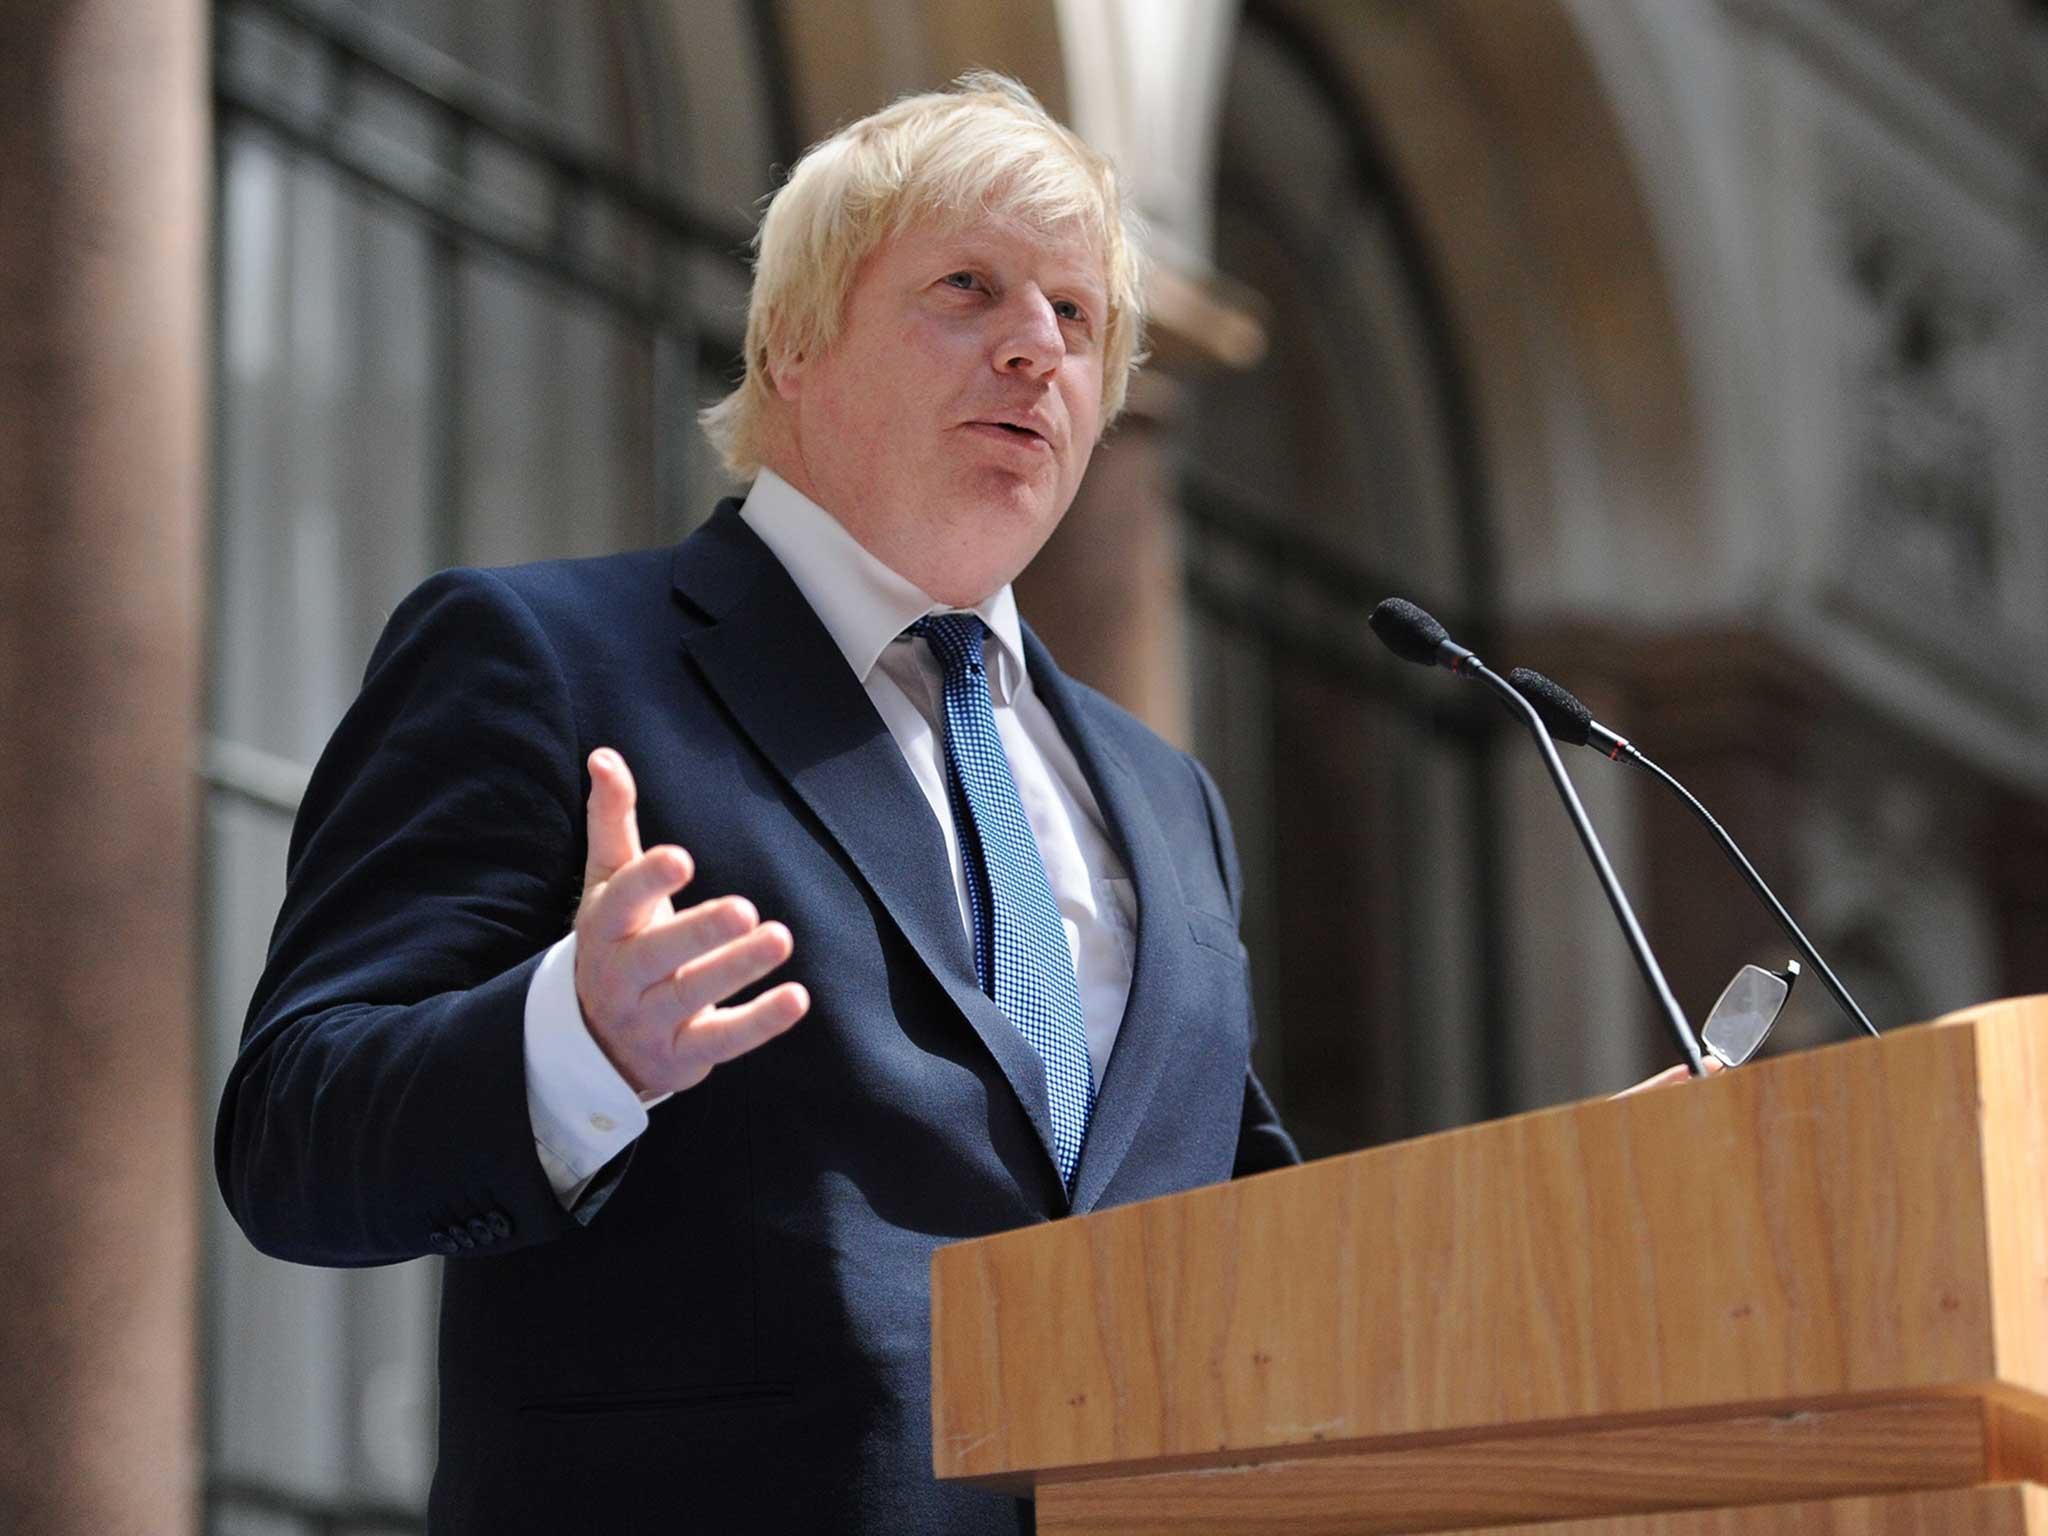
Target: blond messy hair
984	148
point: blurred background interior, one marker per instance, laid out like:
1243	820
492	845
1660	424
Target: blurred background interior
1693	353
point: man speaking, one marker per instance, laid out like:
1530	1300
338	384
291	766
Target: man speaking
686	942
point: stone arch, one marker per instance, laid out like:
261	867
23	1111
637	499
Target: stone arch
1530	198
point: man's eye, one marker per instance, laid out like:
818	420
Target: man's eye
959	279
1067	309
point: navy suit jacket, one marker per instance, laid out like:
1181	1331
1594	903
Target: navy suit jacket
731	1330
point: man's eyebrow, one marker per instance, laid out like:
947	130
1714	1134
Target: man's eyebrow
1085	282
972	248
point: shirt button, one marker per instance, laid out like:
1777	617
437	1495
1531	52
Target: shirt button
601	1122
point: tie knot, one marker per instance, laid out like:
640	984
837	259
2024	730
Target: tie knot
955	638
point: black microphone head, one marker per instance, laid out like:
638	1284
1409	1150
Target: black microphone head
1563	715
1408	632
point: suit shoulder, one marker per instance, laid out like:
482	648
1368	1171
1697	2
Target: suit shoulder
549	587
561	599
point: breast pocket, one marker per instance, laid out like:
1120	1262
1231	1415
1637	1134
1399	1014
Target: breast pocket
1217	933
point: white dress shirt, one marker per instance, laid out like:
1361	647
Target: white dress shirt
584	1113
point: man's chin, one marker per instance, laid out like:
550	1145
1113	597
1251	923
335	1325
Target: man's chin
1001	495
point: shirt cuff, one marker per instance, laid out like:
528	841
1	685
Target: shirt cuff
583	1112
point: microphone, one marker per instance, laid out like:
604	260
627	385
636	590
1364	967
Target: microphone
1571	722
1566	718
1413	635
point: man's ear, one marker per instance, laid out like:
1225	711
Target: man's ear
785	375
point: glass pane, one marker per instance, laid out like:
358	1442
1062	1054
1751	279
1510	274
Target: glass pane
237	1521
554	62
556	420
325	351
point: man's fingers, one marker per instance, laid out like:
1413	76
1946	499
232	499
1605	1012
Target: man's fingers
667	945
717	1035
614	826
634	895
713	977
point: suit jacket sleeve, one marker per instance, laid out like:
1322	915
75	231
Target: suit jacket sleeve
377	1110
1262	1142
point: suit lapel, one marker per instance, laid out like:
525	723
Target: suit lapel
773	664
1161	978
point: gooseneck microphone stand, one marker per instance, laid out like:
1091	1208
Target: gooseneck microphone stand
1413	635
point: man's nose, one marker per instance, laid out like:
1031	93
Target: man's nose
1029	340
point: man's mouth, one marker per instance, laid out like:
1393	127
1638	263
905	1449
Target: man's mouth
1011	430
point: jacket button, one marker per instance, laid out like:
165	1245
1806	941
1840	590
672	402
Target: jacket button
481	1231
501	1224
440	1242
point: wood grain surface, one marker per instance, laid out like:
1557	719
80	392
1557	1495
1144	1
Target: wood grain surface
1775	1459
2008	1509
1833	1228
2012	1075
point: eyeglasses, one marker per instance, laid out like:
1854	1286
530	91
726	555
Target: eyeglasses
1747	1008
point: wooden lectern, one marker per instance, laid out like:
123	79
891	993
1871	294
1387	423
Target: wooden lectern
1807	1296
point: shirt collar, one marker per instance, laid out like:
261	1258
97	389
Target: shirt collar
863	603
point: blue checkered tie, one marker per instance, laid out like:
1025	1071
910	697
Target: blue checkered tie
1020	945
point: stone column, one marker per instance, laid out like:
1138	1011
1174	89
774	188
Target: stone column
104	184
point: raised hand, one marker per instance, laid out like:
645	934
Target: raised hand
651	980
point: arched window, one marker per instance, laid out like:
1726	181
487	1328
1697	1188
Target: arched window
1338	472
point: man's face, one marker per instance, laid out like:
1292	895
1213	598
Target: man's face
949	423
